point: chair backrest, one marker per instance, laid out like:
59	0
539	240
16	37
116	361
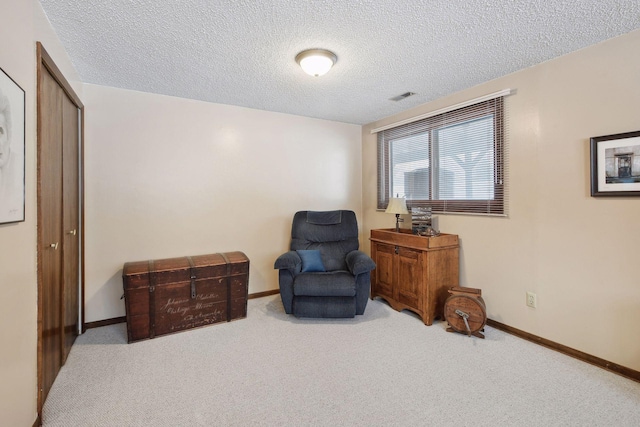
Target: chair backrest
333	233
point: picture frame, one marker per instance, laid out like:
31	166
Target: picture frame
615	165
12	150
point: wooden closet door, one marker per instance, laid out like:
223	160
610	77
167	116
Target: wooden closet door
50	213
60	241
70	224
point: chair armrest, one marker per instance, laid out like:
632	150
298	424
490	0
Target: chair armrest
359	262
289	261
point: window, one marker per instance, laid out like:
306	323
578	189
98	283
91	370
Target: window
452	162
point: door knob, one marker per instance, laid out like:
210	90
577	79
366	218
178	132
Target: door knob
54	245
73	232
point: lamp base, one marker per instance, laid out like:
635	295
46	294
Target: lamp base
398	221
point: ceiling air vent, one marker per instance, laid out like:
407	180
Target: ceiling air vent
401	97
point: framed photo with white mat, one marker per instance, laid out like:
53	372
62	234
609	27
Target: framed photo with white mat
12	150
615	165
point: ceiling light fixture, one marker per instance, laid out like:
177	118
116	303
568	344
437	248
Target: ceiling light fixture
316	62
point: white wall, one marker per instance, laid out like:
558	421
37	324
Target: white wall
23	23
578	253
169	177
17	241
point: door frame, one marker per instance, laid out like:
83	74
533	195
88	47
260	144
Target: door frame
44	61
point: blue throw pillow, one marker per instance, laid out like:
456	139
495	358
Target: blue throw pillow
311	261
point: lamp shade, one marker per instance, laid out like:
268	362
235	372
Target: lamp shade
397	205
316	62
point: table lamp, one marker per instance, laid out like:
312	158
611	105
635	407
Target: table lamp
398	206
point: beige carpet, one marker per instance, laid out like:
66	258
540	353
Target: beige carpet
381	369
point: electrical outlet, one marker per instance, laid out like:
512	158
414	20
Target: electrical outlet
532	300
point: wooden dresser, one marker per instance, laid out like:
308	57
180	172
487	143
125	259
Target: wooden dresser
414	272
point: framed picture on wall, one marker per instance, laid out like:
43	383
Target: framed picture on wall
12	150
615	165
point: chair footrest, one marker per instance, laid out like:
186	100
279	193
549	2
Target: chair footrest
324	307
329	284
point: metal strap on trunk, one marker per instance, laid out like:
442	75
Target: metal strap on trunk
153	281
192	274
228	279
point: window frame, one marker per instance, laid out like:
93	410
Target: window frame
495	206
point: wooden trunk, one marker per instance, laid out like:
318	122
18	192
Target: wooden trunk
172	295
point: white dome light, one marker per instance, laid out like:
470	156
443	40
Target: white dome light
316	62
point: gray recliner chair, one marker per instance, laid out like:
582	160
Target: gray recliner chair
324	274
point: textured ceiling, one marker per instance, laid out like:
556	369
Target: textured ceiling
241	52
